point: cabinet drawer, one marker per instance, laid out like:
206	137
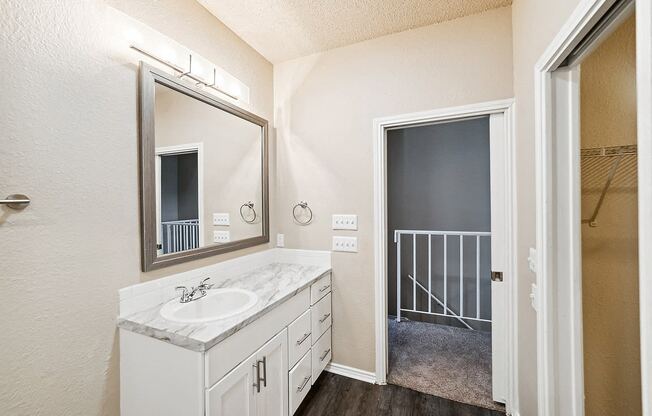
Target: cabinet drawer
300	382
321	317
299	339
321	354
320	288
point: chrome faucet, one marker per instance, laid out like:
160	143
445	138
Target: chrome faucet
198	292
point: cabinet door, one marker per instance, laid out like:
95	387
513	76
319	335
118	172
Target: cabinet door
235	393
272	359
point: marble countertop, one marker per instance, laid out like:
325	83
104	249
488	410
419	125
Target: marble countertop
273	283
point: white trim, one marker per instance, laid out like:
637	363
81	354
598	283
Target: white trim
351	372
380	231
582	20
199	148
644	143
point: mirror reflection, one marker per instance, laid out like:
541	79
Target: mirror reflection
208	166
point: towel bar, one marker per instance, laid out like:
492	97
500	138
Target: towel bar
15	201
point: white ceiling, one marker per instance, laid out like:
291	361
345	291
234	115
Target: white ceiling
287	29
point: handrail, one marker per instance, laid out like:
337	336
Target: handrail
180	235
444	235
430	232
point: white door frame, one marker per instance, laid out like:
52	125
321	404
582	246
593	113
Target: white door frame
381	125
549	194
176	149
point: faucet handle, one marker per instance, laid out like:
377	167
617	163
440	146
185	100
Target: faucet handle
203	284
184	293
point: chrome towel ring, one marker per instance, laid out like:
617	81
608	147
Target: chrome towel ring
248	219
303	205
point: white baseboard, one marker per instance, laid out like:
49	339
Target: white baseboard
350	372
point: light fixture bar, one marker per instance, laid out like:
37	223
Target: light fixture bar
183	73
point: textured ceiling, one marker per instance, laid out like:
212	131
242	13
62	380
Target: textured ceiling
286	29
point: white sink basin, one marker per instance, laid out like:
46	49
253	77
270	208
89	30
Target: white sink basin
217	304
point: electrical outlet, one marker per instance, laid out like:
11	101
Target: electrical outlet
221	219
347	244
221	236
345	222
280	240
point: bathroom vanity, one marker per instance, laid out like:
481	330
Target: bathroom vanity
261	361
248	336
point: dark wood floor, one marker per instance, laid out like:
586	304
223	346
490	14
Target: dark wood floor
335	395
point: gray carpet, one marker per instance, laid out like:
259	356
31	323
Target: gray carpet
448	362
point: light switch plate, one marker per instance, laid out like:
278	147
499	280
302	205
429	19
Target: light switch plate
280	240
532	260
346	244
221	219
533	297
221	236
345	222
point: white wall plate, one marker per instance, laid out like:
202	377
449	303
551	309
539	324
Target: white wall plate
221	236
345	222
221	219
346	244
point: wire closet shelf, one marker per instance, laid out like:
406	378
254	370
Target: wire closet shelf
615	160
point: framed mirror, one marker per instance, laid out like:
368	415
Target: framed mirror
204	172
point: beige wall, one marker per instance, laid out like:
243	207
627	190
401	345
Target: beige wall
610	251
324	110
69	141
69	129
232	154
535	23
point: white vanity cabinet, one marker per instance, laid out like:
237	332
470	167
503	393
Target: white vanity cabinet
310	342
257	386
265	368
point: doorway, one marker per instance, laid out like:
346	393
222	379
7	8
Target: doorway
608	187
178	198
439	287
443	224
593	137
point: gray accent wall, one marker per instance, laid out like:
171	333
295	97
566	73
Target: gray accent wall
179	187
439	179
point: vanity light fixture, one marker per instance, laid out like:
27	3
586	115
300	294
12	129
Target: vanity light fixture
183	73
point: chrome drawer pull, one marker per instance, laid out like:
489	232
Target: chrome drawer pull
324	288
260	379
257	375
303	386
325	355
264	378
305	337
321	321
